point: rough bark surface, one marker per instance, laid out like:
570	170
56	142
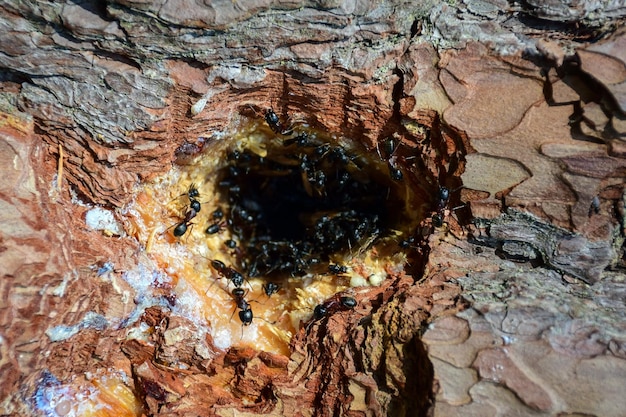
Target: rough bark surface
519	312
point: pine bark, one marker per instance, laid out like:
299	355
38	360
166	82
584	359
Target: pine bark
524	108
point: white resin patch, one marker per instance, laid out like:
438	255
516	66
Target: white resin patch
101	219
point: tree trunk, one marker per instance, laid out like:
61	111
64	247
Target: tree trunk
512	304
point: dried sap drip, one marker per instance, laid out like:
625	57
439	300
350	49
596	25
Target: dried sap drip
99	395
263	226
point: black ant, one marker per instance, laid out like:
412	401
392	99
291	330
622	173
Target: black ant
331	306
215	228
390	148
274	123
217	214
443	197
337	269
228	272
271	288
193	194
245	312
194	207
441	208
181	228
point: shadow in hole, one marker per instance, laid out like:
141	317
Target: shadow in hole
417	397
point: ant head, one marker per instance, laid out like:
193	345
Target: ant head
218	265
217	213
193	191
319	311
237	279
271	288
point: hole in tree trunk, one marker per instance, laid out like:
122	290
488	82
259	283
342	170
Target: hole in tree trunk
274	224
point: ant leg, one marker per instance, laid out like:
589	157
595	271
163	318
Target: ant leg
211	286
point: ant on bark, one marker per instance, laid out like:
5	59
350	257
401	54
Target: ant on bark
443	198
390	148
331	306
443	211
274	123
334	305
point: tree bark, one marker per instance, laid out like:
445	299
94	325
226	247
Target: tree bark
520	110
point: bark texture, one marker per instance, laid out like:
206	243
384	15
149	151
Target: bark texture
523	105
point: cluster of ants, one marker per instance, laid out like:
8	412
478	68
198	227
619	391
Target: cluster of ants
295	207
233	276
246	315
388	154
238	293
228	272
300	203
